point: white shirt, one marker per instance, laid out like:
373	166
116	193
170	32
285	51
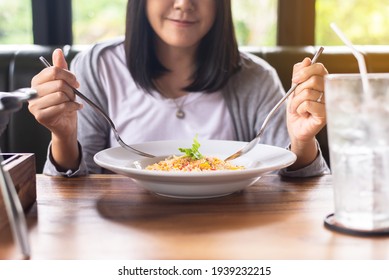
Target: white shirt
141	117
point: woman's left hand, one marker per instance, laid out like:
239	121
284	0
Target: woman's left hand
306	114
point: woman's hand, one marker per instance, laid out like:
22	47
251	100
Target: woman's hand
56	109
306	114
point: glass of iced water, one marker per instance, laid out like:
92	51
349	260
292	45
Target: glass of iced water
358	136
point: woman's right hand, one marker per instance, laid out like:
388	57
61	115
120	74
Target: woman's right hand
56	109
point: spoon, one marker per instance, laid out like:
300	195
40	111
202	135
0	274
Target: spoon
12	101
255	141
106	117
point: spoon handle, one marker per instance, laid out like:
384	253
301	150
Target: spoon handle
292	89
83	97
102	113
255	141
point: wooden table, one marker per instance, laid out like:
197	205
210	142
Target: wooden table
110	217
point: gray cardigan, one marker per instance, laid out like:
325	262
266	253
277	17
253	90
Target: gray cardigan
250	94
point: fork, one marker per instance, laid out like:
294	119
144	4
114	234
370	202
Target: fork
255	141
106	117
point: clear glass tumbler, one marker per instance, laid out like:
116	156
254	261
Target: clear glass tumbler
358	137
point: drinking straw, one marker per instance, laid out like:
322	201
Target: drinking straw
357	54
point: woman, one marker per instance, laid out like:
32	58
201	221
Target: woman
178	72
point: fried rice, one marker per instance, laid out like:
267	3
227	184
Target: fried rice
188	164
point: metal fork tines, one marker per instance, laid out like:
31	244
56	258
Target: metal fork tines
104	115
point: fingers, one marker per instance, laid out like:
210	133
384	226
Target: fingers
307	95
311	84
55	86
321	97
51	99
56	116
54	73
45	110
57	101
311	90
59	59
306	109
57	72
298	66
315	111
302	71
55	106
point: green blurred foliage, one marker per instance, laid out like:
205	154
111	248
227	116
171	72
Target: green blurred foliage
255	22
15	22
363	22
98	20
242	32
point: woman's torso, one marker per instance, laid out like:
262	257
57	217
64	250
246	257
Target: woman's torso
140	116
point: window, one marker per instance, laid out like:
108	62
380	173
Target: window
366	23
15	22
98	20
254	20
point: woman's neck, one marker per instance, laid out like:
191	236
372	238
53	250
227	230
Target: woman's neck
181	64
170	85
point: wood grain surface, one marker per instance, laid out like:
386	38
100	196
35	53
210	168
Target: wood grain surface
111	217
21	168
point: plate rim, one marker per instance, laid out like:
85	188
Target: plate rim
178	174
194	185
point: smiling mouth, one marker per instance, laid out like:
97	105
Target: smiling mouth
182	22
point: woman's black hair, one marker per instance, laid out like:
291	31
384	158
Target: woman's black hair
217	55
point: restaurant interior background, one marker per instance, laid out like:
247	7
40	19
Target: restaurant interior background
282	32
257	22
283	220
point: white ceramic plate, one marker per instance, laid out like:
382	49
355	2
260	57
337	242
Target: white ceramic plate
262	159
